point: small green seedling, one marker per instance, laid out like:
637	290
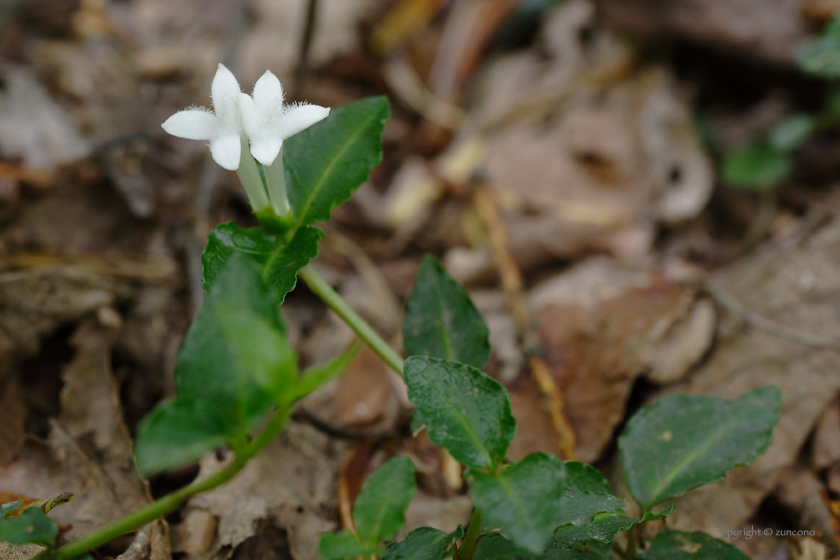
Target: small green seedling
766	163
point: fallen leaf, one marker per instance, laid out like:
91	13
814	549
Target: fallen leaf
603	325
826	443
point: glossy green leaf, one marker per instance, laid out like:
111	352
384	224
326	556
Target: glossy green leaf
9	507
327	162
424	543
602	529
822	57
756	166
219	397
523	500
31	526
578	507
441	320
281	262
379	511
318	375
344	545
261	349
466	411
585	477
176	434
679	545
209	369
792	132
496	547
682	441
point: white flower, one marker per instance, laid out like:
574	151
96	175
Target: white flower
220	126
268	122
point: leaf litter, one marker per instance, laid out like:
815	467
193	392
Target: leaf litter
604	187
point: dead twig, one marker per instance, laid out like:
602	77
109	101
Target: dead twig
511	279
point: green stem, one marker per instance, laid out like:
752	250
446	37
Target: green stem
170	502
335	302
471	538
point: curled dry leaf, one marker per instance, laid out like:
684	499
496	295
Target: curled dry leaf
602	326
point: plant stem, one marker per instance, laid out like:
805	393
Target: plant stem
170	502
471	538
335	302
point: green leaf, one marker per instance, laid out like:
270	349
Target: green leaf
31	526
523	500
327	162
466	411
316	376
424	543
496	547
822	57
441	320
176	434
281	262
261	349
681	441
219	396
9	507
756	166
679	545
603	529
586	477
578	507
379	511
344	544
792	132
209	369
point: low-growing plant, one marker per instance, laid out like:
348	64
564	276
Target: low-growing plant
765	163
237	378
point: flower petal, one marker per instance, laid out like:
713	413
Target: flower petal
301	117
248	116
226	150
268	93
194	124
224	89
265	147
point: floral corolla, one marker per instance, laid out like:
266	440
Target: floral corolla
267	121
221	126
238	119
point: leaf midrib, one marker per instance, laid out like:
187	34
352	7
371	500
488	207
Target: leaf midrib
681	465
319	184
470	432
444	332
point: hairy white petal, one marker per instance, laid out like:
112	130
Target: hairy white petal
265	147
301	117
248	116
268	93
226	150
224	89
194	124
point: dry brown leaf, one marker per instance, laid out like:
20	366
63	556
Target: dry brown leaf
290	485
89	449
768	29
796	284
33	127
826	443
603	325
800	493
